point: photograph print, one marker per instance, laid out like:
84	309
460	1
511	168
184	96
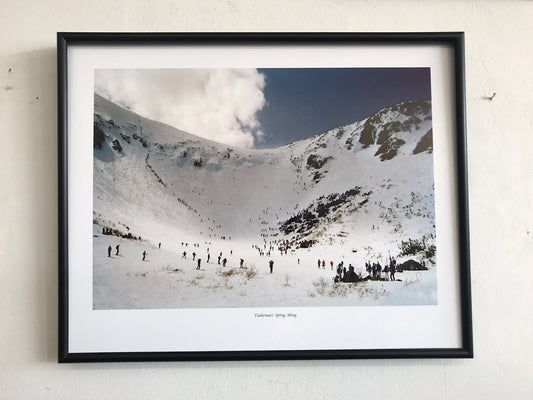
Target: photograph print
289	187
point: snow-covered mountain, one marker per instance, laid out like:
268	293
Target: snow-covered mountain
356	191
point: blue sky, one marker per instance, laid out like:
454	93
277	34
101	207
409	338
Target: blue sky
305	102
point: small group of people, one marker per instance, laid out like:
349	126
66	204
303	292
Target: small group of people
374	270
341	269
117	250
184	255
344	275
186	244
220	260
322	263
109	249
224	261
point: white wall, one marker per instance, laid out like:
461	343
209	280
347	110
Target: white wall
499	58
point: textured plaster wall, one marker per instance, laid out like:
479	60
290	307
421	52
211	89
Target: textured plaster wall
499	58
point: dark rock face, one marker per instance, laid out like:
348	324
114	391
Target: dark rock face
305	244
125	137
315	161
379	129
388	130
99	137
412	265
317	176
116	145
368	134
425	143
305	221
413	107
349	143
339	133
389	149
140	139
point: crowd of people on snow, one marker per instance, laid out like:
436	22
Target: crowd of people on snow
220	259
284	247
374	270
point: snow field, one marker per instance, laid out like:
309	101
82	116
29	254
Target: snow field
166	280
168	186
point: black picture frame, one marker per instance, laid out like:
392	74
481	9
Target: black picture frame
453	41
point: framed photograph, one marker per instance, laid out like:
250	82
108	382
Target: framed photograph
262	196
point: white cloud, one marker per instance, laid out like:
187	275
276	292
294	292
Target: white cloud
217	104
260	136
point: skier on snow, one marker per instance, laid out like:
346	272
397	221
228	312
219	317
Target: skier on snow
109	251
271	265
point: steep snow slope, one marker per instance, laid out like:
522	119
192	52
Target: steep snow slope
354	192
